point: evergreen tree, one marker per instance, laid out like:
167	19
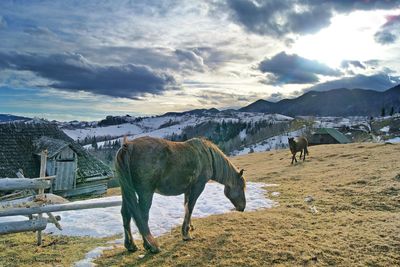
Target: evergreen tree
94	143
391	111
383	112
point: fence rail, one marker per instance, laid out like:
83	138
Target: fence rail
58	207
11	184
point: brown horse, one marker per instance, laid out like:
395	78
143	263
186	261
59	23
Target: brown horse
147	165
299	145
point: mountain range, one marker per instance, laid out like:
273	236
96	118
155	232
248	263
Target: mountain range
336	102
9	117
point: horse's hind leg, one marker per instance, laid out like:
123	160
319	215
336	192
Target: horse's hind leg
135	211
304	154
126	218
190	200
145	201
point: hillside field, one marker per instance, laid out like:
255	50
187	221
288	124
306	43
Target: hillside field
353	219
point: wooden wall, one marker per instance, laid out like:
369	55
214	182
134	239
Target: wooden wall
63	165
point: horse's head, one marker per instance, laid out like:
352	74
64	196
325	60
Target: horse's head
292	143
236	193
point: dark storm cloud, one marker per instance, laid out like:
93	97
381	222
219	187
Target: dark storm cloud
74	72
378	82
280	17
289	69
389	31
385	37
277	17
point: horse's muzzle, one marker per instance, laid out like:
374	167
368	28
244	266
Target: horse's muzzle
240	208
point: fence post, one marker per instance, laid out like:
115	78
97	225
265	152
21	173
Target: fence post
43	162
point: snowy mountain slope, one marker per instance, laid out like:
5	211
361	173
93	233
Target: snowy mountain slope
167	125
253	132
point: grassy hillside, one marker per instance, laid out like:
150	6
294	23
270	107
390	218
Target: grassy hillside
355	189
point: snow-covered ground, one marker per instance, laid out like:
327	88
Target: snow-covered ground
393	140
358	122
385	129
273	143
165	213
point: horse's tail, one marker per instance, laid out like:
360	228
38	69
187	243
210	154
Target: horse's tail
128	190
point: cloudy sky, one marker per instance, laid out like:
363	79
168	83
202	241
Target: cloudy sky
83	60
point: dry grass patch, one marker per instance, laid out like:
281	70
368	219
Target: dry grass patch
355	192
21	250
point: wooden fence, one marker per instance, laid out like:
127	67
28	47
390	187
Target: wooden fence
38	203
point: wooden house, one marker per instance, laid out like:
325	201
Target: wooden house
327	136
77	171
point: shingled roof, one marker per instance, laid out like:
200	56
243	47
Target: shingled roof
52	145
19	142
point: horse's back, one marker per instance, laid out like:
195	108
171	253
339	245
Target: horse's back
302	141
166	166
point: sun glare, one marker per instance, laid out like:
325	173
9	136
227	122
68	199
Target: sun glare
349	37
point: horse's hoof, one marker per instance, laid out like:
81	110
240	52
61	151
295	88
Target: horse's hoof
192	228
131	247
149	247
153	250
187	238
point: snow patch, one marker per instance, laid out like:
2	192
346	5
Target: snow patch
385	129
165	213
393	140
90	256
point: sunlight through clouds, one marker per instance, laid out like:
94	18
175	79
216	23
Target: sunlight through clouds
349	36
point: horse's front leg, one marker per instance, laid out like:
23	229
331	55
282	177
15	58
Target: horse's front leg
294	157
149	242
190	200
191	227
126	218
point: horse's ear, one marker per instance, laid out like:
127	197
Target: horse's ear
241	172
125	142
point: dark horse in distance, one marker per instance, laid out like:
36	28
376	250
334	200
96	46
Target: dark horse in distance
300	145
147	165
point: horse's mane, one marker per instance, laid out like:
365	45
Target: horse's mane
223	169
